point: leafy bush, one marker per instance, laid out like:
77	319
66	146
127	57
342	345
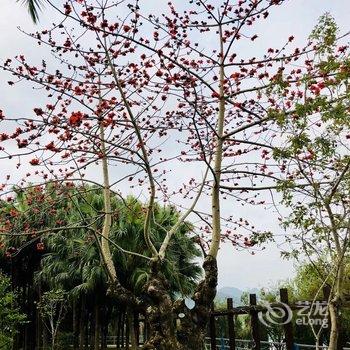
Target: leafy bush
10	315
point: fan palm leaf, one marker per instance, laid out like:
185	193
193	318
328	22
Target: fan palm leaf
34	6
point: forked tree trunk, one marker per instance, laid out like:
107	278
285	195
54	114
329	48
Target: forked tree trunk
195	323
163	312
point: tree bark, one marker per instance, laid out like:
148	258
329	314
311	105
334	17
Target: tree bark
334	318
160	314
194	324
163	312
335	304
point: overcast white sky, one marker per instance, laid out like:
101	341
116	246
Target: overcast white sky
295	17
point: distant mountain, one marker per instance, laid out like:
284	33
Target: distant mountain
234	293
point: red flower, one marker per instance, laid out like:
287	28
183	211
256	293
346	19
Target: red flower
67	9
3	137
76	118
38	111
126	28
78	91
51	146
34	161
235	75
321	85
248	242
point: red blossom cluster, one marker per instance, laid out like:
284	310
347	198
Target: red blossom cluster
145	93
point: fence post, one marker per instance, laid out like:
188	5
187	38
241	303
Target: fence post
212	330
231	325
288	327
254	323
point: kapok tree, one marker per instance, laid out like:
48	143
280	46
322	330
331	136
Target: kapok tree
163	105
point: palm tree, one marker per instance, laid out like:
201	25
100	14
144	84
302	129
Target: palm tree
72	261
34	6
74	264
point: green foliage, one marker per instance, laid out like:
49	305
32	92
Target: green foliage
242	323
314	146
71	258
51	303
325	33
52	308
278	116
10	315
308	285
70	261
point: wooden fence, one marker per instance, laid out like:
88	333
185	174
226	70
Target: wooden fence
253	310
230	313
